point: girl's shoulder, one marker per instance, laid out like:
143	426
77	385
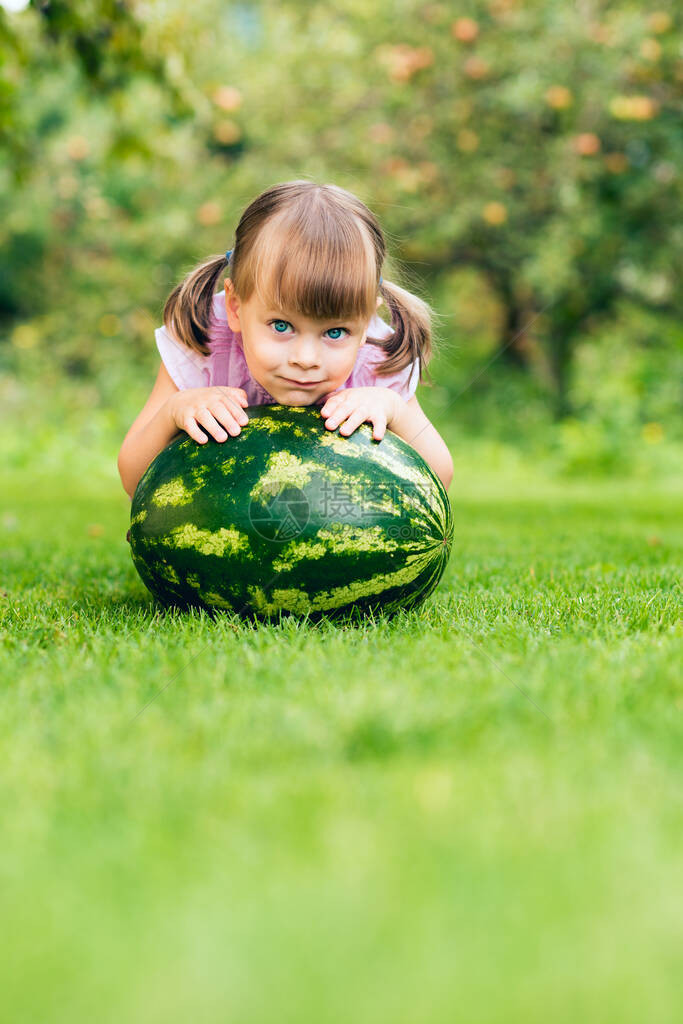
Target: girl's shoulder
224	363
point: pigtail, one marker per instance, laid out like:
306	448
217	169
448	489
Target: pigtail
187	311
411	319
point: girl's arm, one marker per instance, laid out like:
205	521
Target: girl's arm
411	424
151	430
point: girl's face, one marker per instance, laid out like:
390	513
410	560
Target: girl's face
285	351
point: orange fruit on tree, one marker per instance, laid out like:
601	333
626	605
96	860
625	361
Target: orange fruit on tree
495	213
586	143
465	30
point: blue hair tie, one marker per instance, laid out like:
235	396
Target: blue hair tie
380	279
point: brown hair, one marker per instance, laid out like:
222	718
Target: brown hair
316	250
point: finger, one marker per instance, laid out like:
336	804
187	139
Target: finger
209	421
337	415
191	428
331	408
241	414
225	418
379	425
331	401
339	402
357	417
225	413
238	395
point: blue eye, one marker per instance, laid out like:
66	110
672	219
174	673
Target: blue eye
273	323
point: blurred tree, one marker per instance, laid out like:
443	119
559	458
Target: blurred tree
105	39
537	141
59	61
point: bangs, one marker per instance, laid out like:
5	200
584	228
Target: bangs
322	269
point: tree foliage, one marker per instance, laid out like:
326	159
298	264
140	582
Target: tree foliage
538	143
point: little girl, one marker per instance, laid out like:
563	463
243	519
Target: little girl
296	325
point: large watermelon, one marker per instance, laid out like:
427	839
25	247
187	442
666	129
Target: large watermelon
291	517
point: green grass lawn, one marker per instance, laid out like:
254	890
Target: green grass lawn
470	812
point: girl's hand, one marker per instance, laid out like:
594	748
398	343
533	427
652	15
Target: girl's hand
354	406
213	408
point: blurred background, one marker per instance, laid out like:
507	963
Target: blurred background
524	159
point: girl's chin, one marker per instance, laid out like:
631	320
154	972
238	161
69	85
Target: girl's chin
302	396
303	399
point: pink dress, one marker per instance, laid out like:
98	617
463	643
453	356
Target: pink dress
226	365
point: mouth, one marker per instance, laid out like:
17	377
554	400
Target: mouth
301	383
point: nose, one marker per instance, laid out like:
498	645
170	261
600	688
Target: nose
304	352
